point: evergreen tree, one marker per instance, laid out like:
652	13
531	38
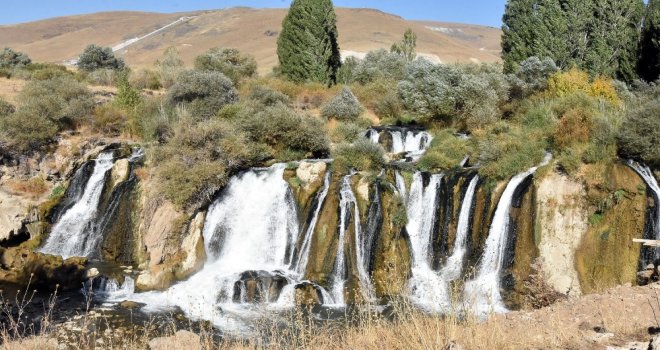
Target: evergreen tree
307	47
649	62
519	30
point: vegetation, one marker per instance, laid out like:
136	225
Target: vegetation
640	134
649	62
307	47
230	62
12	59
597	36
406	47
169	67
96	57
203	93
343	106
361	155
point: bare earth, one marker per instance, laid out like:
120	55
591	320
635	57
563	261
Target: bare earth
253	31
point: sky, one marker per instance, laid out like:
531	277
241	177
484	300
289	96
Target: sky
485	12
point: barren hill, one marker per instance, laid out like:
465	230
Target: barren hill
253	31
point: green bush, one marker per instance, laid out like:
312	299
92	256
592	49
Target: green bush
146	79
95	57
169	67
13	59
26	130
287	133
639	135
230	62
344	106
204	93
347	132
267	96
361	155
102	76
531	76
62	100
379	64
6	108
445	152
108	120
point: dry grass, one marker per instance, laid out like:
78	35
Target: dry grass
33	187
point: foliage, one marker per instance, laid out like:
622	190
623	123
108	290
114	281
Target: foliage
361	155
406	47
267	96
347	132
13	59
230	62
344	106
639	135
102	76
445	152
6	108
574	81
96	57
451	93
169	67
379	64
649	62
127	96
108	120
307	47
598	36
531	76
146	79
204	93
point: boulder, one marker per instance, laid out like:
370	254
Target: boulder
120	172
259	286
308	294
363	189
158	277
22	266
159	231
310	173
180	340
193	248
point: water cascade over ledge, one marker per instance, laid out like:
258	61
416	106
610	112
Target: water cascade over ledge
654	230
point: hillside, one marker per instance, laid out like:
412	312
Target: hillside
253	31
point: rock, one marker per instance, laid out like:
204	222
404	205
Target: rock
363	189
120	172
193	248
159	232
156	278
180	340
14	214
309	173
128	304
308	294
655	343
23	266
259	286
91	273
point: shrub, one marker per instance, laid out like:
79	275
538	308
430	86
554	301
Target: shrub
230	62
169	67
62	100
380	64
639	135
344	106
445	152
347	132
573	127
95	57
26	130
205	93
267	96
6	108
531	76
287	133
361	155
146	79
127	96
108	120
575	81
103	76
13	59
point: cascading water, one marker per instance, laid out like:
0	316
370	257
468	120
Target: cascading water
454	264
300	264
645	172
348	202
373	135
412	142
483	292
249	230
426	287
76	233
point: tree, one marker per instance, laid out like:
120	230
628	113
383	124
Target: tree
229	62
519	29
95	57
407	46
640	134
10	58
307	47
649	63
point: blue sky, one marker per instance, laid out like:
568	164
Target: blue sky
487	12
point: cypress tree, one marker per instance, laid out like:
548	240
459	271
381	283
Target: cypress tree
649	62
519	29
307	47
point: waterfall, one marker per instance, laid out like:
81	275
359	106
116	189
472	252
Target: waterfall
347	201
250	231
76	233
454	265
426	287
373	135
483	292
645	172
412	142
300	264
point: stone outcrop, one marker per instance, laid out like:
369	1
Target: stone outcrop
23	267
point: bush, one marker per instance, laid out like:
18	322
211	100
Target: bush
639	135
380	64
127	97
108	120
531	76
445	152
230	62
347	132
267	96
103	76
13	59
205	93
343	106
576	81
169	67
95	57
145	79
63	100
287	133
27	131
6	108
361	155
573	127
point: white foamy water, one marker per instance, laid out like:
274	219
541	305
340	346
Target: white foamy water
76	233
645	172
301	263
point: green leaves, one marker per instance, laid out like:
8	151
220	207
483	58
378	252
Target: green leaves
649	64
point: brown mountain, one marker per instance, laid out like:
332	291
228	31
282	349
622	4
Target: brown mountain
253	31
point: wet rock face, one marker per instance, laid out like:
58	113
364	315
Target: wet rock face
22	267
308	294
259	287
